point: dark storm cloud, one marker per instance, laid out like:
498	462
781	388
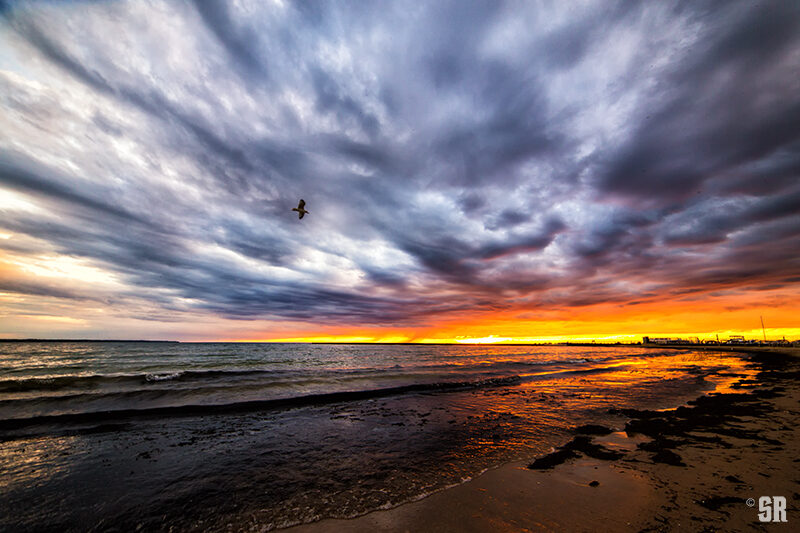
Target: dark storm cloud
524	243
706	226
44	183
508	219
451	155
240	43
151	102
732	102
37	289
331	99
516	127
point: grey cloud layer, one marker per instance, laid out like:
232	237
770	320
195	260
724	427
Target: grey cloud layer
454	156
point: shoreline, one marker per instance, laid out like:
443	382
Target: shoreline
692	467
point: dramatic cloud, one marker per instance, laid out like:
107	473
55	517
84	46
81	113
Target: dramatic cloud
457	159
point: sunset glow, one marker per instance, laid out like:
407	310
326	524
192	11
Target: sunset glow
543	174
398	265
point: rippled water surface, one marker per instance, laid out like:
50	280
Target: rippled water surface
258	436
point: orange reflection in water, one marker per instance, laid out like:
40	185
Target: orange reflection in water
28	462
539	411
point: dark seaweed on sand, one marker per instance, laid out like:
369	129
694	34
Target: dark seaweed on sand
593	429
705	421
572	449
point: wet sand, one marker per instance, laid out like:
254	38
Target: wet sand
687	469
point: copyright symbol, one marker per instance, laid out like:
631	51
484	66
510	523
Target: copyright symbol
750	502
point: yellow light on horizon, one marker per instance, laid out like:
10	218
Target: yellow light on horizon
491	339
345	339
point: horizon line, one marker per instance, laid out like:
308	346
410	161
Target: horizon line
423	342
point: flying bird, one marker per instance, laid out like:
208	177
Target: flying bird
301	208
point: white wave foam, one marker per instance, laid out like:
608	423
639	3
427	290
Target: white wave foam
163	377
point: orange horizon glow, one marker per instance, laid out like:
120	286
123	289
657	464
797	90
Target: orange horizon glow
789	334
705	317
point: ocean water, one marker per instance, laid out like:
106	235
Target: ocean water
255	437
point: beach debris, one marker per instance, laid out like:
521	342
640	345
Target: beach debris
595	451
578	445
668	457
660	443
552	459
593	429
301	208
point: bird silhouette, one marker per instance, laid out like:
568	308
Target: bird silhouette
301	208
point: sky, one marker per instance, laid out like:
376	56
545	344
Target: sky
473	171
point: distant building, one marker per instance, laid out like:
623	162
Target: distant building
779	342
665	340
656	340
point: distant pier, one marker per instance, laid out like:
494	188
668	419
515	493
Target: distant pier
740	348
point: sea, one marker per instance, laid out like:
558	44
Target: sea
123	436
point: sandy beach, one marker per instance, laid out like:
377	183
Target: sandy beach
692	468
